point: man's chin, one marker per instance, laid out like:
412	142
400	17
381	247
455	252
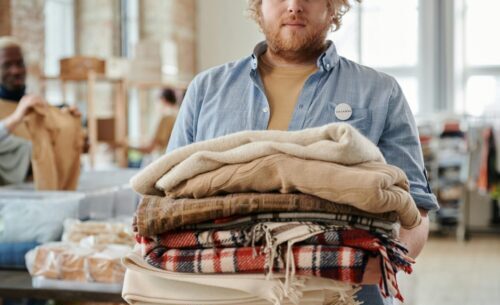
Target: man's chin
293	40
291	45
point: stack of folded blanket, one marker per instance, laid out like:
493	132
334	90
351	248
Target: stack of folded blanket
282	217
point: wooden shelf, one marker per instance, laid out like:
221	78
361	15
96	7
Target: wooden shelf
120	111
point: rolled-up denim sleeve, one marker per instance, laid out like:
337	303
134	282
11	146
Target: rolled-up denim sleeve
400	146
184	130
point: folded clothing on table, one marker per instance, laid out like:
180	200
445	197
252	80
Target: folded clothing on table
69	261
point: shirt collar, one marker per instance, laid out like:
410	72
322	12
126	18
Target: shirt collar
327	60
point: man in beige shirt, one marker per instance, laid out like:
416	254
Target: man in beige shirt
30	129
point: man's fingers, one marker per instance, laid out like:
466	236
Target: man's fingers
74	111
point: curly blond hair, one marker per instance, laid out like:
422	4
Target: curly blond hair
336	8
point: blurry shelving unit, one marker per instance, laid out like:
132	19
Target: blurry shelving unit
452	175
445	159
90	71
481	209
458	158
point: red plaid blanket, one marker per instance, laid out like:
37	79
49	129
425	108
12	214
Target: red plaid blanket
339	263
327	251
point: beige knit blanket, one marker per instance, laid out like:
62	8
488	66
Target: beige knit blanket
373	187
338	143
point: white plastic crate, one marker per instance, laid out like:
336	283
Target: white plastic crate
106	194
35	216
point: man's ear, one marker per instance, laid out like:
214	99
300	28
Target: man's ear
260	21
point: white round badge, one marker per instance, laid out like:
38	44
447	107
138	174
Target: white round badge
343	112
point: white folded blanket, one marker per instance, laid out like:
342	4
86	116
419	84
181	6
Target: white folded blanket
338	142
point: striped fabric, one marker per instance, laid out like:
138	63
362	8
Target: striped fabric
319	250
338	263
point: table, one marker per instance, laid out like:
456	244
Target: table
17	284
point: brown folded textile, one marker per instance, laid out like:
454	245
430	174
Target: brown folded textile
156	215
57	140
374	187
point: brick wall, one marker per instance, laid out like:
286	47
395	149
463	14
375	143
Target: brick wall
25	20
97	28
172	20
5	20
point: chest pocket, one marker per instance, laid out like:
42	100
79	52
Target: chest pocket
361	119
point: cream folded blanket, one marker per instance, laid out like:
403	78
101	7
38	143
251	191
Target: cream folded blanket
145	289
338	143
146	284
372	187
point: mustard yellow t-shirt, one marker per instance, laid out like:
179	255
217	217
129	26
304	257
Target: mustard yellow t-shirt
163	131
283	86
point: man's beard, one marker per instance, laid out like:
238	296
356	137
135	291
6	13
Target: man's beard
295	46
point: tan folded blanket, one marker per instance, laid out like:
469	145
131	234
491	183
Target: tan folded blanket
337	142
373	187
156	215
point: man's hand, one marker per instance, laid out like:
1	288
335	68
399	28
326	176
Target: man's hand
414	240
372	272
72	110
25	106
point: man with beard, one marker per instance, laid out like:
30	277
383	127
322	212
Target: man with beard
295	80
15	152
15	105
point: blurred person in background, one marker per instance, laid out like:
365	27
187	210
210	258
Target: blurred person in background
15	106
168	108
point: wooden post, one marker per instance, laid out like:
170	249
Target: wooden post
91	117
121	123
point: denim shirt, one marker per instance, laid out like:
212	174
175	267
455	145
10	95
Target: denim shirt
231	98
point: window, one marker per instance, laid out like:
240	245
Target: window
481	58
129	26
384	34
130	37
59	33
443	53
59	43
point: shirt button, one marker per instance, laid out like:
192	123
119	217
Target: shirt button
301	106
265	110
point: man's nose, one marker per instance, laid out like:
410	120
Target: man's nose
16	69
295	6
